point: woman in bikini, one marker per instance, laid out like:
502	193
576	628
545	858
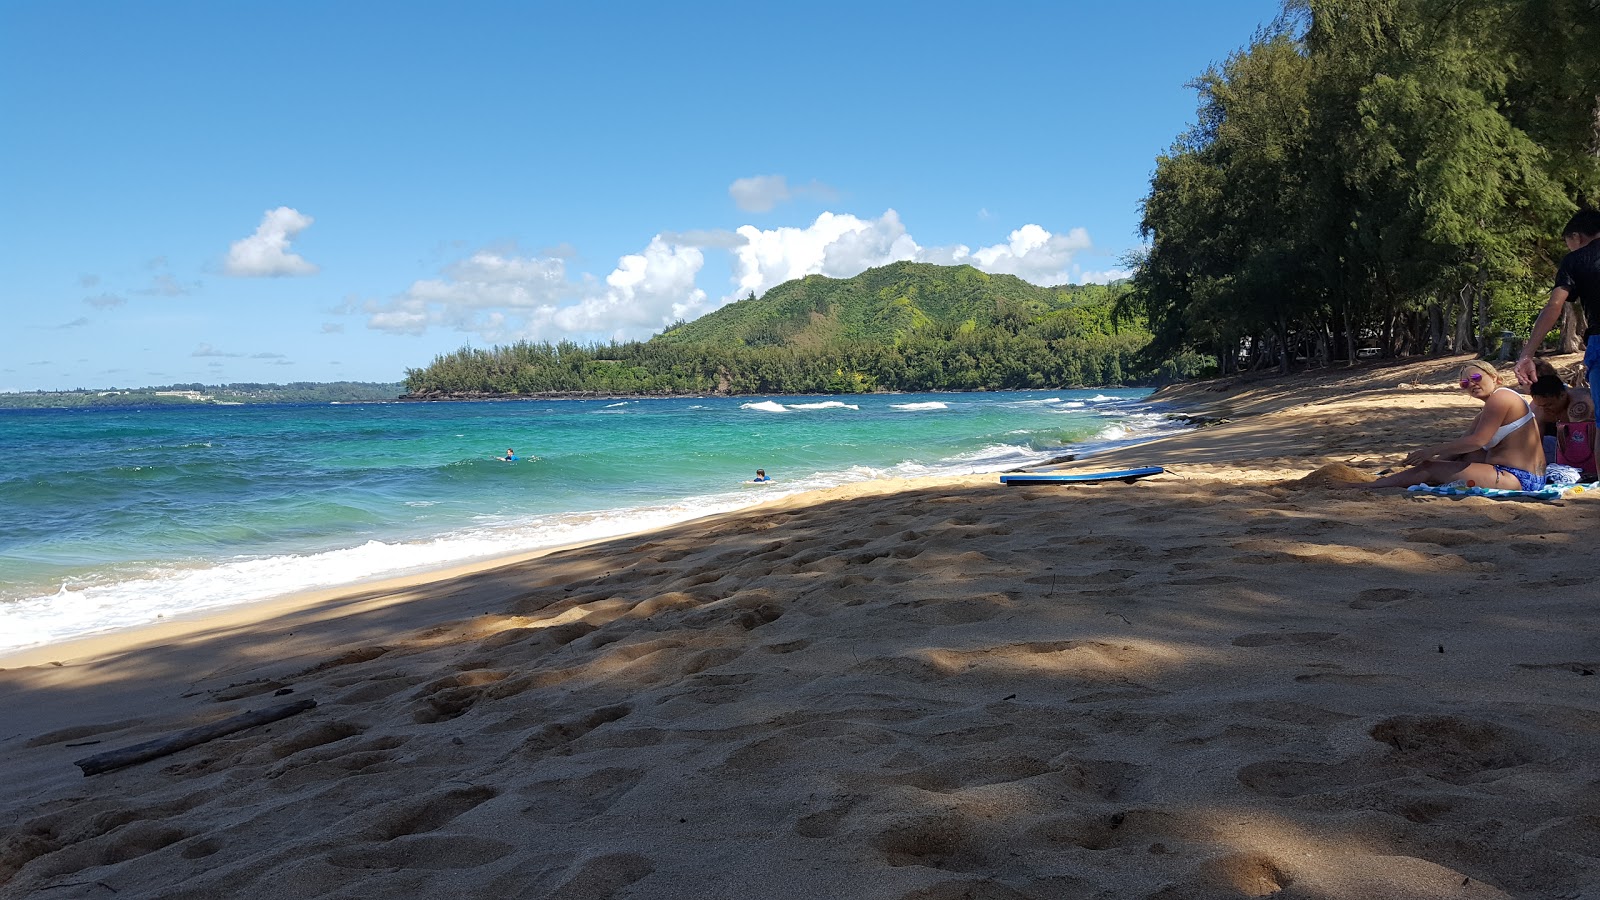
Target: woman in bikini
1500	450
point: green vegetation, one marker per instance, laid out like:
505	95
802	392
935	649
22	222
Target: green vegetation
202	394
1385	174
902	327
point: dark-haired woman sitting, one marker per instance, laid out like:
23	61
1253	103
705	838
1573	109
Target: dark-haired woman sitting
1566	418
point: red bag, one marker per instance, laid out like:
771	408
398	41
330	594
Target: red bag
1575	447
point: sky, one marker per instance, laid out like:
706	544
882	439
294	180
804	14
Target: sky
309	191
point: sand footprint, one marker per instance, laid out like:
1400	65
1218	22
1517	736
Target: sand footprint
940	840
1281	638
1374	598
603	877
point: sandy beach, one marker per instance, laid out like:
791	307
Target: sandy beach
1225	681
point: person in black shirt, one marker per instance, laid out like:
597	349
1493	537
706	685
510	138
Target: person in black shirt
1578	279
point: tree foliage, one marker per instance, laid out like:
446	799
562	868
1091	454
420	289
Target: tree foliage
1382	173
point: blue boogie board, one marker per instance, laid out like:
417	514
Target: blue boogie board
1128	475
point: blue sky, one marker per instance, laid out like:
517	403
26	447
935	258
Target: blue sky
222	192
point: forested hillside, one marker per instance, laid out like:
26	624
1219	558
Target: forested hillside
1388	175
902	327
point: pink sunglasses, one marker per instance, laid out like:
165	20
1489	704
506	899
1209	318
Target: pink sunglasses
1472	379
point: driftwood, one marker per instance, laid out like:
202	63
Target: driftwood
172	743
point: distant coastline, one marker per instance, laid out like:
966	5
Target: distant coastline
185	395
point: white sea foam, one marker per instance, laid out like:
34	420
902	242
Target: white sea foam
919	407
83	608
826	404
765	406
615	405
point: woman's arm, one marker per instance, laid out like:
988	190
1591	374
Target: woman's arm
1495	409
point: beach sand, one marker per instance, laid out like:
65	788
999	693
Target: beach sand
1226	681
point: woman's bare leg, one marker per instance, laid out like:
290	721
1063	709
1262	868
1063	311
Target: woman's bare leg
1439	471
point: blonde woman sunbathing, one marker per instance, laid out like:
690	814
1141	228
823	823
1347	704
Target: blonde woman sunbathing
1500	450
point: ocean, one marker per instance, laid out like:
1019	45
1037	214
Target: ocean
116	518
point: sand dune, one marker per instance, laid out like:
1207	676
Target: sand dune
1223	682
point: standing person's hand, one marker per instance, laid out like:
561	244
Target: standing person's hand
1524	369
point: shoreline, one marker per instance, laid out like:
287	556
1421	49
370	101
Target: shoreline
1202	404
1222	681
407	577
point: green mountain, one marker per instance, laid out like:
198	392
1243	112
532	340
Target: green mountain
889	305
901	327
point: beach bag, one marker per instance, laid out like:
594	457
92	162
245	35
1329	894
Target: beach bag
1575	446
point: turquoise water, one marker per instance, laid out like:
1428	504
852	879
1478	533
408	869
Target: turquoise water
114	518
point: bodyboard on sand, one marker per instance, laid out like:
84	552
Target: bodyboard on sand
1128	475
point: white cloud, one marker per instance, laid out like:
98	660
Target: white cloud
266	253
1034	255
508	297
1104	277
841	246
104	301
761	193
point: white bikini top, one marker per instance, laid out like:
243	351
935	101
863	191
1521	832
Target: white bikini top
1501	432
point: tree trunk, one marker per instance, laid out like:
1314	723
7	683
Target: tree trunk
1573	324
1481	292
1463	341
1349	336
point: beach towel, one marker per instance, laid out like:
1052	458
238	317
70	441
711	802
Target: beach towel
1562	482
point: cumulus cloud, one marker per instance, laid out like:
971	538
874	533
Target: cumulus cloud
508	297
1034	255
646	291
839	245
1104	277
761	193
475	294
266	253
842	245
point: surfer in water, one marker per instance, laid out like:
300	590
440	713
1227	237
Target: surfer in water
511	456
761	476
